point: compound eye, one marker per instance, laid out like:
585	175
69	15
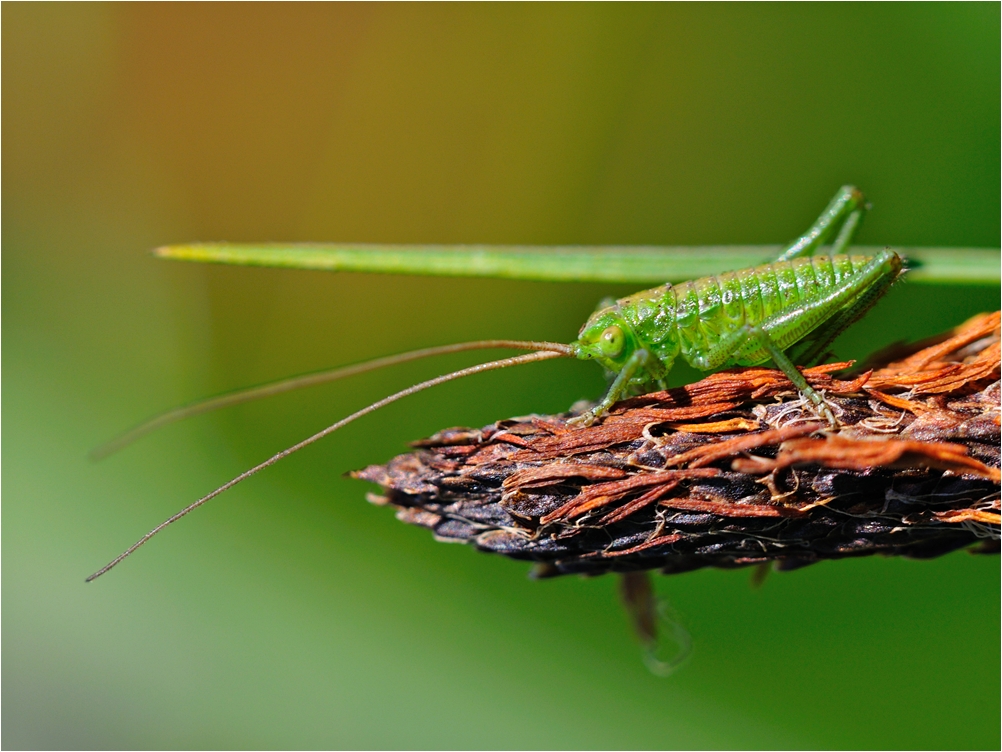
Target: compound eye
611	341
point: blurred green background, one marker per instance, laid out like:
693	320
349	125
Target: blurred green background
290	613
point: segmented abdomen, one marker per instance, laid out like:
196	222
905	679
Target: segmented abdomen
708	309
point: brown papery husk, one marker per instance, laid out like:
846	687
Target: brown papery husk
731	471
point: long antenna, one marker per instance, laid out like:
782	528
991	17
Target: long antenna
298	382
563	352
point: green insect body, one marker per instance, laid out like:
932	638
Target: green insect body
711	322
739	318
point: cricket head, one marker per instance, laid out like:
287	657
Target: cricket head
607	338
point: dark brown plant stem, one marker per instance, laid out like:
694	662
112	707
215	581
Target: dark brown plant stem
734	470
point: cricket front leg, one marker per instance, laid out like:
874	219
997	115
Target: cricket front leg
617	389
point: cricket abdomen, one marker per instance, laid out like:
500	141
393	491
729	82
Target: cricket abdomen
770	295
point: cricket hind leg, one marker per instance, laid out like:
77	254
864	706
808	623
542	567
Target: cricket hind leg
796	377
815	347
855	295
753	338
843	213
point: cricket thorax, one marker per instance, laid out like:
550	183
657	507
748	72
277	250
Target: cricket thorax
643	321
651	315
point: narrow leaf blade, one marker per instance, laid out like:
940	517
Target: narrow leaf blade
639	264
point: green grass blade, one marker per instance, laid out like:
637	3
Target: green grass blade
647	265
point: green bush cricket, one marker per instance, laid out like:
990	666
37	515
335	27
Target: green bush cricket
801	301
